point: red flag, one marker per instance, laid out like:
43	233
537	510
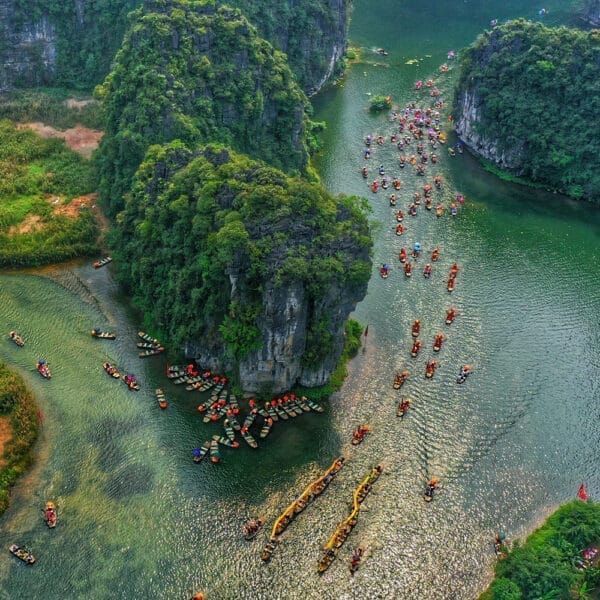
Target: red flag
582	493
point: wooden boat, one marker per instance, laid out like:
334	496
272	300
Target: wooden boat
251	528
464	373
235	407
266	428
50	515
399	380
249	439
146	346
249	420
173	373
272	412
356	560
103	335
301	405
234	422
225	441
281	413
154	352
269	549
403	407
430	488
102	262
200	453
215	455
203	406
430	369
16	338
437	344
313	405
327	559
22	553
359	434
111	370
288	409
130	382
160	396
43	369
148	338
450	285
229	432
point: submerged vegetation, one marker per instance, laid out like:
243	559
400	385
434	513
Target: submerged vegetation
549	564
537	98
38	178
18	407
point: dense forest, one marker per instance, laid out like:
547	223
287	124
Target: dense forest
197	73
207	236
528	99
551	564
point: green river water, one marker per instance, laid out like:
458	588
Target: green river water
138	519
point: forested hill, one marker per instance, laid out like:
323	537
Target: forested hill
528	100
72	43
253	271
197	72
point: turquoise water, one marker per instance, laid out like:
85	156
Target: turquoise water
138	519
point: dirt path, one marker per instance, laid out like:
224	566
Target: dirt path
81	139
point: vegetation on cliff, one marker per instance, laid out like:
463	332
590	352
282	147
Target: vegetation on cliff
37	177
18	407
536	90
206	232
546	565
192	71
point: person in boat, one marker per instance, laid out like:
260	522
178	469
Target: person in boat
375	187
367	153
400	216
416	347
450	314
368	140
454	270
385	183
402	255
432	485
427	270
435	254
417	197
431	367
404	405
365	172
427	190
392	199
396	183
399	229
412	209
434	158
381	170
439	340
407	269
453	209
428	203
416	327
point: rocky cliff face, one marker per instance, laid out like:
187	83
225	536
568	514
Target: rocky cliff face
472	132
73	43
591	12
27	49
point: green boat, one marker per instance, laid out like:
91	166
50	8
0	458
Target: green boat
266	428
249	439
229	432
225	441
215	455
313	405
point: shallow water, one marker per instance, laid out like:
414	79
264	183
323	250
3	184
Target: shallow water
138	519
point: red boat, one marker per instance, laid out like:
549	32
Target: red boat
416	328
450	316
415	349
437	344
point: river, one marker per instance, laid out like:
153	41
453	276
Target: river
138	519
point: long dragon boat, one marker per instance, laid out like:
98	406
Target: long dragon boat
309	493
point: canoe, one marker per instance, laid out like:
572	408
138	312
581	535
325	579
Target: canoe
359	435
111	370
102	262
22	553
179	380
269	549
200	453
288	409
401	411
50	515
146	345
225	441
229	432
252	528
302	405
271	412
103	335
16	338
160	396
249	439
235	407
204	406
148	338
316	407
154	352
234	422
132	385
44	370
266	428
173	373
249	420
215	455
280	412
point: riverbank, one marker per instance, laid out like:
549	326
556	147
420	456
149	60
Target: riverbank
560	558
19	424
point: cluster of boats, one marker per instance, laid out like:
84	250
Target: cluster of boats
314	489
149	346
344	529
129	380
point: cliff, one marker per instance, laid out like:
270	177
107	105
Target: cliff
591	12
69	43
72	43
197	72
251	271
523	103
